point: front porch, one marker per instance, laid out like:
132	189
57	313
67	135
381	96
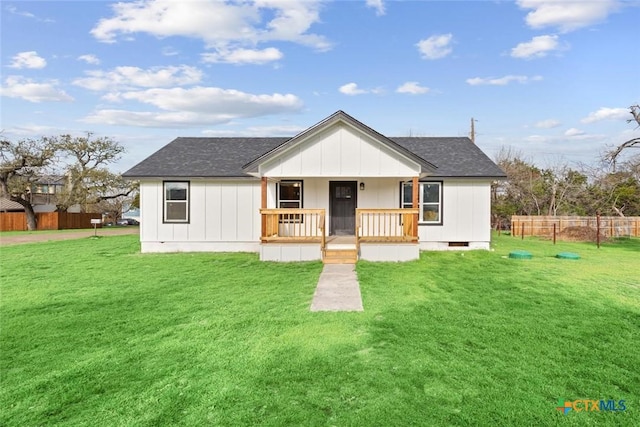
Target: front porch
301	235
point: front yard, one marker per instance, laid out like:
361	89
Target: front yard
93	333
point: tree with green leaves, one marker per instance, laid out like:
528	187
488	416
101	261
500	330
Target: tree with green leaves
83	162
89	180
22	165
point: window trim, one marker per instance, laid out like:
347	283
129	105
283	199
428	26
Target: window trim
440	204
297	218
187	202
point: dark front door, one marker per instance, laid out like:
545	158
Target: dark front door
342	207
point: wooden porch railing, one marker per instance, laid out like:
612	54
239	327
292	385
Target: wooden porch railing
387	225
293	225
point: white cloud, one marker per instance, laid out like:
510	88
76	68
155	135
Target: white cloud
353	89
378	5
262	131
28	60
574	132
31	130
605	113
89	59
244	56
170	51
27	89
435	47
218	24
538	47
567	15
571	135
548	124
202	99
412	88
132	77
14	11
195	106
502	81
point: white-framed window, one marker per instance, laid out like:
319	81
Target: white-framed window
290	197
176	201
430	201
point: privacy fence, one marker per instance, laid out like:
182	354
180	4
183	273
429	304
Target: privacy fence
606	226
17	221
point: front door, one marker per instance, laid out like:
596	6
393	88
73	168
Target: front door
342	207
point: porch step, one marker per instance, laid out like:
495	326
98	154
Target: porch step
340	256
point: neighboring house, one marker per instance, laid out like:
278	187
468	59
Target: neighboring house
43	196
7	205
338	191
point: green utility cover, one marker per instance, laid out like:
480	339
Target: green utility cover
520	255
567	255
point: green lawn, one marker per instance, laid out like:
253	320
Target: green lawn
95	334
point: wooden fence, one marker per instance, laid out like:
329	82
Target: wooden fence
17	221
609	226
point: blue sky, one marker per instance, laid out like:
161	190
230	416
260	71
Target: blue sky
551	79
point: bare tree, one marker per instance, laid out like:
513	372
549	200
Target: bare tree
612	155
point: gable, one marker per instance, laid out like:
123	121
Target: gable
339	146
339	150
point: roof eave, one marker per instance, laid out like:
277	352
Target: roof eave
493	177
166	177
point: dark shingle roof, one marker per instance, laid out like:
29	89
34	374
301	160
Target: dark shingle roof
454	156
225	157
203	157
7	205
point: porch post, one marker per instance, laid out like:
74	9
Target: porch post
415	187
263	205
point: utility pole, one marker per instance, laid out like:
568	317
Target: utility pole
472	134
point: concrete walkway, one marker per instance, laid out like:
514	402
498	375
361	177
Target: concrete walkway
338	289
46	235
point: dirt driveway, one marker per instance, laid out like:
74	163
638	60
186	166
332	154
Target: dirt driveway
35	236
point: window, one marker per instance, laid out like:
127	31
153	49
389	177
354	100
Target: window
176	201
290	196
44	189
430	201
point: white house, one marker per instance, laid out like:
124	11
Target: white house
339	191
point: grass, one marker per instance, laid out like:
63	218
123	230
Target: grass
94	333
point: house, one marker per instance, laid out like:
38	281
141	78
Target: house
338	191
7	205
42	195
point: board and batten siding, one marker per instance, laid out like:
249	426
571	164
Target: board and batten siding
340	151
466	216
223	216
